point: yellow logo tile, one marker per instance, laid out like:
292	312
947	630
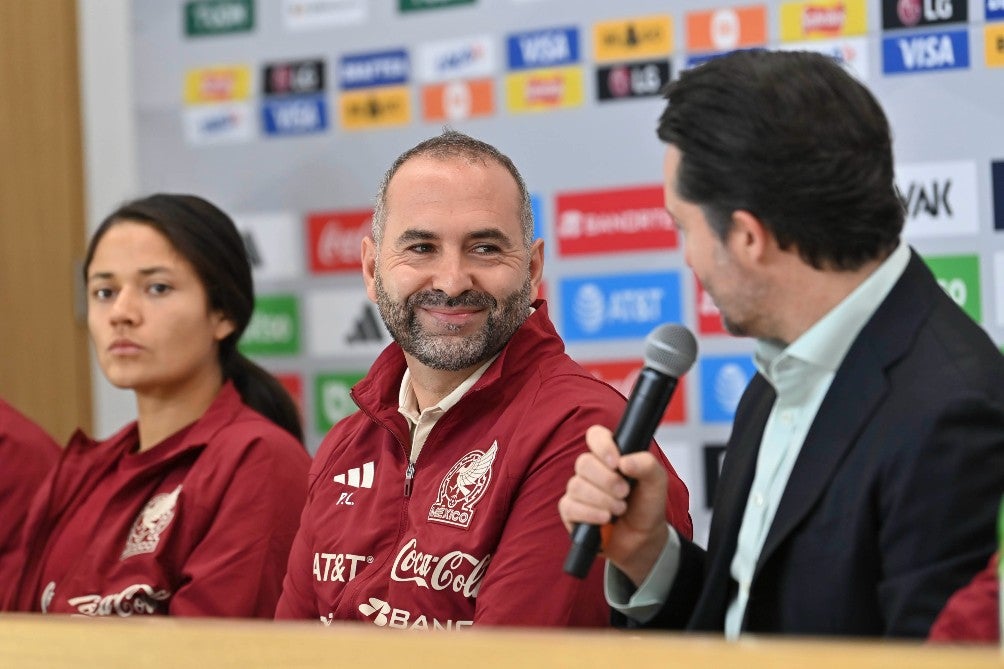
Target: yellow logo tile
221	83
822	19
375	108
641	37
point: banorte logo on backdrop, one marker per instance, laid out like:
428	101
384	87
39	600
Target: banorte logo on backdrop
611	221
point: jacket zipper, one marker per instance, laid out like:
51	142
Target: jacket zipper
409	476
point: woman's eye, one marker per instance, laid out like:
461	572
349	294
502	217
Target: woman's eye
102	293
159	289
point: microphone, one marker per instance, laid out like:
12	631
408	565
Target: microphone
670	350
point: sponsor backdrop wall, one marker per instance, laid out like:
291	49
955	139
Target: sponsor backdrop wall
287	113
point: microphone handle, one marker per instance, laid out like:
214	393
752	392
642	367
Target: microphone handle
649	399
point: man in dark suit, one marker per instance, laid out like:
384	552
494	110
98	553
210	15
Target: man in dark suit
866	464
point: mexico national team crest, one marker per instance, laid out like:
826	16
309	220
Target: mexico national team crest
462	487
150	523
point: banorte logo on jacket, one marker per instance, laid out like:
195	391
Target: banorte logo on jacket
152	520
463	487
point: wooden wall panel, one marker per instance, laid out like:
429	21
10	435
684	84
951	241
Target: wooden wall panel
44	367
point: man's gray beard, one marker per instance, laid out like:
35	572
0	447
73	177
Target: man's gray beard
452	353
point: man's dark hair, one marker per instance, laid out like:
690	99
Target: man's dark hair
793	139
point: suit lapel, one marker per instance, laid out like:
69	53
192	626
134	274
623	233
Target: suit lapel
857	390
730	501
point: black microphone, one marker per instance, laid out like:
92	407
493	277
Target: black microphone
670	350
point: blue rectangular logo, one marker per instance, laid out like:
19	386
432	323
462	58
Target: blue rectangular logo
537	206
618	306
997	176
723	381
924	52
298	115
543	48
995	10
384	68
701	59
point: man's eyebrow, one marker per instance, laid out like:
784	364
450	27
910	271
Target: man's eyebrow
416	235
489	233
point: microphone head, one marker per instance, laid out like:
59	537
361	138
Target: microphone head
671	349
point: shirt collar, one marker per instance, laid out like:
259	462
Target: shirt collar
826	343
408	402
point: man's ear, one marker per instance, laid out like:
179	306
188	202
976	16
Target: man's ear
749	239
369	258
536	267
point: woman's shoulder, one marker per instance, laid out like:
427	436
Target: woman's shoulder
245	433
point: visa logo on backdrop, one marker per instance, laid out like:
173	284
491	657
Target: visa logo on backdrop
623	374
610	221
939	198
336	239
543	48
618	306
926	51
298	115
995	10
723	380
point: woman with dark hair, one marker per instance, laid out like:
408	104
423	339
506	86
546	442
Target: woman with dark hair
191	509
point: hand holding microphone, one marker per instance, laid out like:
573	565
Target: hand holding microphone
670	350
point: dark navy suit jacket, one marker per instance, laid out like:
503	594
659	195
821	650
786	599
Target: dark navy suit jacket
892	502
